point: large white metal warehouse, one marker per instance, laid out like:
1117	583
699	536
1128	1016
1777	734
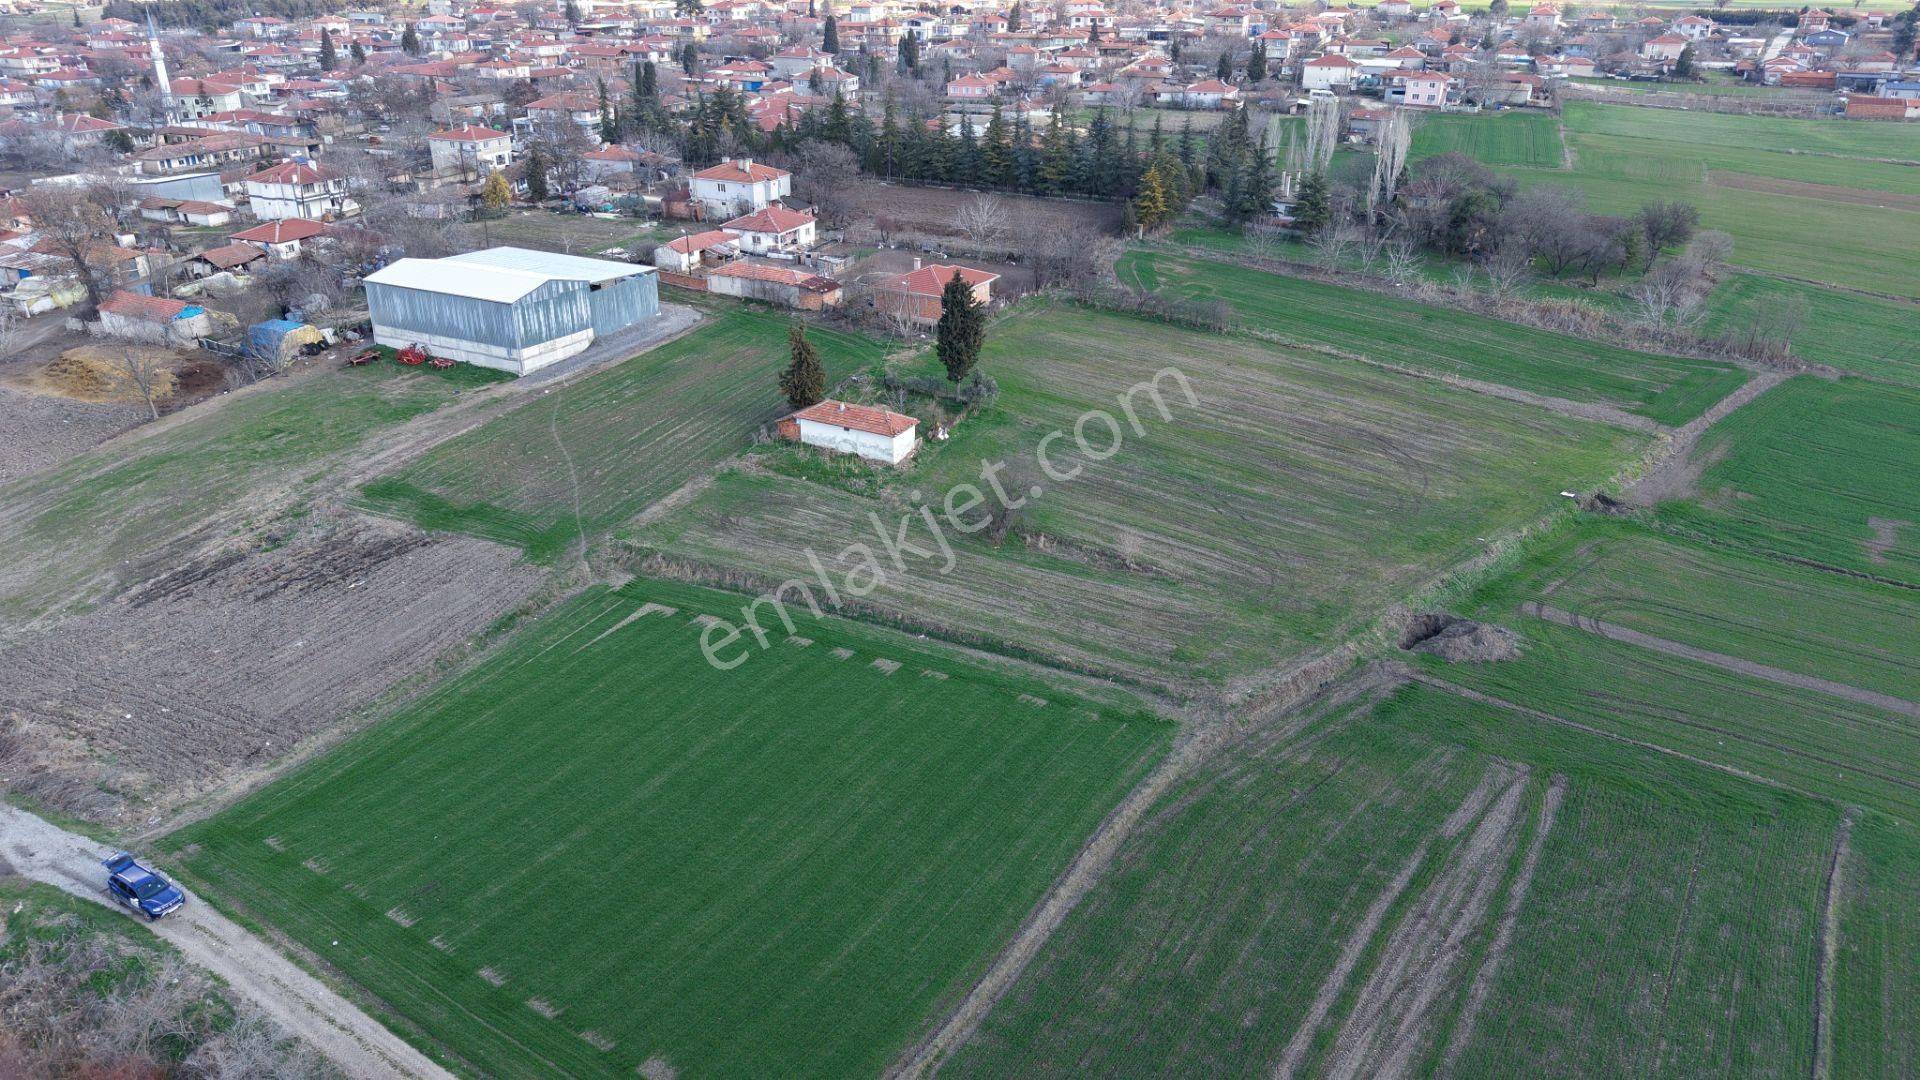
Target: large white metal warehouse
508	308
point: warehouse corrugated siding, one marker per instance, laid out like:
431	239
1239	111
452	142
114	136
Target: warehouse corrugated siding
625	302
442	314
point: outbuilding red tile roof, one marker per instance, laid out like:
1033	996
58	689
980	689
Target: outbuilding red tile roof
293	172
771	219
742	170
284	231
930	280
135	306
858	418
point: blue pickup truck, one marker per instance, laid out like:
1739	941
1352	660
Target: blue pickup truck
141	889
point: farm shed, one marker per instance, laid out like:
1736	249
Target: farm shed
785	285
875	434
279	340
508	308
133	317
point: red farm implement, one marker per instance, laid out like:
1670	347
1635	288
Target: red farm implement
412	355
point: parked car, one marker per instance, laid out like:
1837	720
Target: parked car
142	889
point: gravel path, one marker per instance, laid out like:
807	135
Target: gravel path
348	1037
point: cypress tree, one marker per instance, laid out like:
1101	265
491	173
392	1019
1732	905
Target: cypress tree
830	36
1224	69
536	174
358	52
962	328
804	382
1257	63
996	152
328	58
1013	16
410	41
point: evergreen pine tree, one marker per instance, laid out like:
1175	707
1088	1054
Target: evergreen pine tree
909	58
1056	158
536	163
961	330
996	152
328	58
1253	192
1173	49
410	41
1312	204
572	12
804	382
1224	68
1257	63
830	36
609	122
1186	149
358	52
1013	16
1150	204
966	162
1093	33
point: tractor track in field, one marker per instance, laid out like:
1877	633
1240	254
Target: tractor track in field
1672	469
1829	950
1090	864
1388	1025
359	1045
1735	664
1482	987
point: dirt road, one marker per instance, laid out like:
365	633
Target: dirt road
348	1037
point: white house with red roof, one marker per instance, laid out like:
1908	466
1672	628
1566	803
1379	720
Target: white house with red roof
773	230
281	239
1330	72
1666	47
470	150
194	98
298	189
874	434
739	186
1543	18
1693	28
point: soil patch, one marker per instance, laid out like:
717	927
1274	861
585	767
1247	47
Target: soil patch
1886	533
1830	193
214	671
95	373
38	432
1458	640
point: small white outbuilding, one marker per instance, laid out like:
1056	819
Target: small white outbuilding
874	434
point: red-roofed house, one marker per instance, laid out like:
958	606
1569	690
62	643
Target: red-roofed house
682	254
773	229
469	150
739	186
916	293
1332	71
299	190
875	434
282	239
133	317
789	286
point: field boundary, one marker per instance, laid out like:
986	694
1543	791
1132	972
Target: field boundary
1090	864
1723	661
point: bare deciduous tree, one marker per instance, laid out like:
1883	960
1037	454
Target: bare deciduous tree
143	374
1332	244
1263	241
984	220
1403	258
80	222
1508	270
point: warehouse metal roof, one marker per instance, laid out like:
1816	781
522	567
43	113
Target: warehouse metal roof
501	275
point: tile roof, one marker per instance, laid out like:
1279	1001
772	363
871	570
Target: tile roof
284	231
135	306
857	417
930	280
771	219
